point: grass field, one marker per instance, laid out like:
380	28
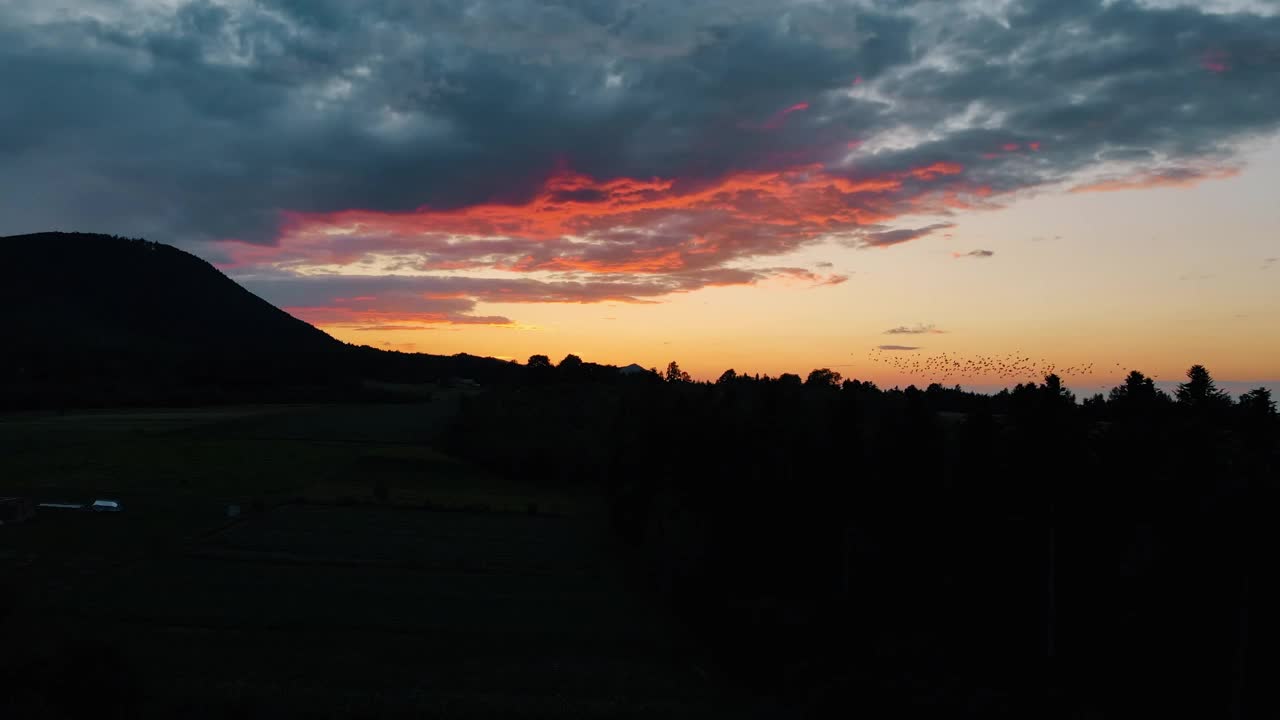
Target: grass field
367	575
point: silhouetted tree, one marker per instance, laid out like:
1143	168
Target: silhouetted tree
1135	386
1199	391
1095	405
1256	415
1257	406
675	374
1137	397
727	377
859	386
789	379
540	369
823	377
571	369
1055	392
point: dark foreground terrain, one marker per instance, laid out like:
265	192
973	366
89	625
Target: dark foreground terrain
640	548
363	577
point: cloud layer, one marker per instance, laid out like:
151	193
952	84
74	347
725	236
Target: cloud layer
918	329
590	150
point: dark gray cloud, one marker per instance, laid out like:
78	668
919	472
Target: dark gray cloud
980	254
886	238
807	276
897	347
199	121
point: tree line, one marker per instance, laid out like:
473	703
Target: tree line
849	547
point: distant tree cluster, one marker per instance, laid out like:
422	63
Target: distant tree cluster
826	533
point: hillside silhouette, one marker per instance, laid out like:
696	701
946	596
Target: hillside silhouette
99	292
96	319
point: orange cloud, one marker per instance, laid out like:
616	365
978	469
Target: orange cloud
571	202
639	263
387	320
629	240
575	223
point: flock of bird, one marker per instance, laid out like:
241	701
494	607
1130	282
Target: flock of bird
1011	367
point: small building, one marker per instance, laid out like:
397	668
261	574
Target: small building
16	510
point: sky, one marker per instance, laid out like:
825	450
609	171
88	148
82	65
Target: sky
765	185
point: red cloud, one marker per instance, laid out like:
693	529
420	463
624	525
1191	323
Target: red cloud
575	223
781	117
1215	61
622	240
778	119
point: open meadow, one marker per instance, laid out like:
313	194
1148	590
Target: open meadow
365	574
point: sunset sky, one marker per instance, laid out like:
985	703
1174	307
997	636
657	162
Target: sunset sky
766	185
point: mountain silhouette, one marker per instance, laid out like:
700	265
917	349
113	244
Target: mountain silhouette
99	292
98	320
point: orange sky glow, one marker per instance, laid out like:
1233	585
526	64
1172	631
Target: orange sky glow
835	283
